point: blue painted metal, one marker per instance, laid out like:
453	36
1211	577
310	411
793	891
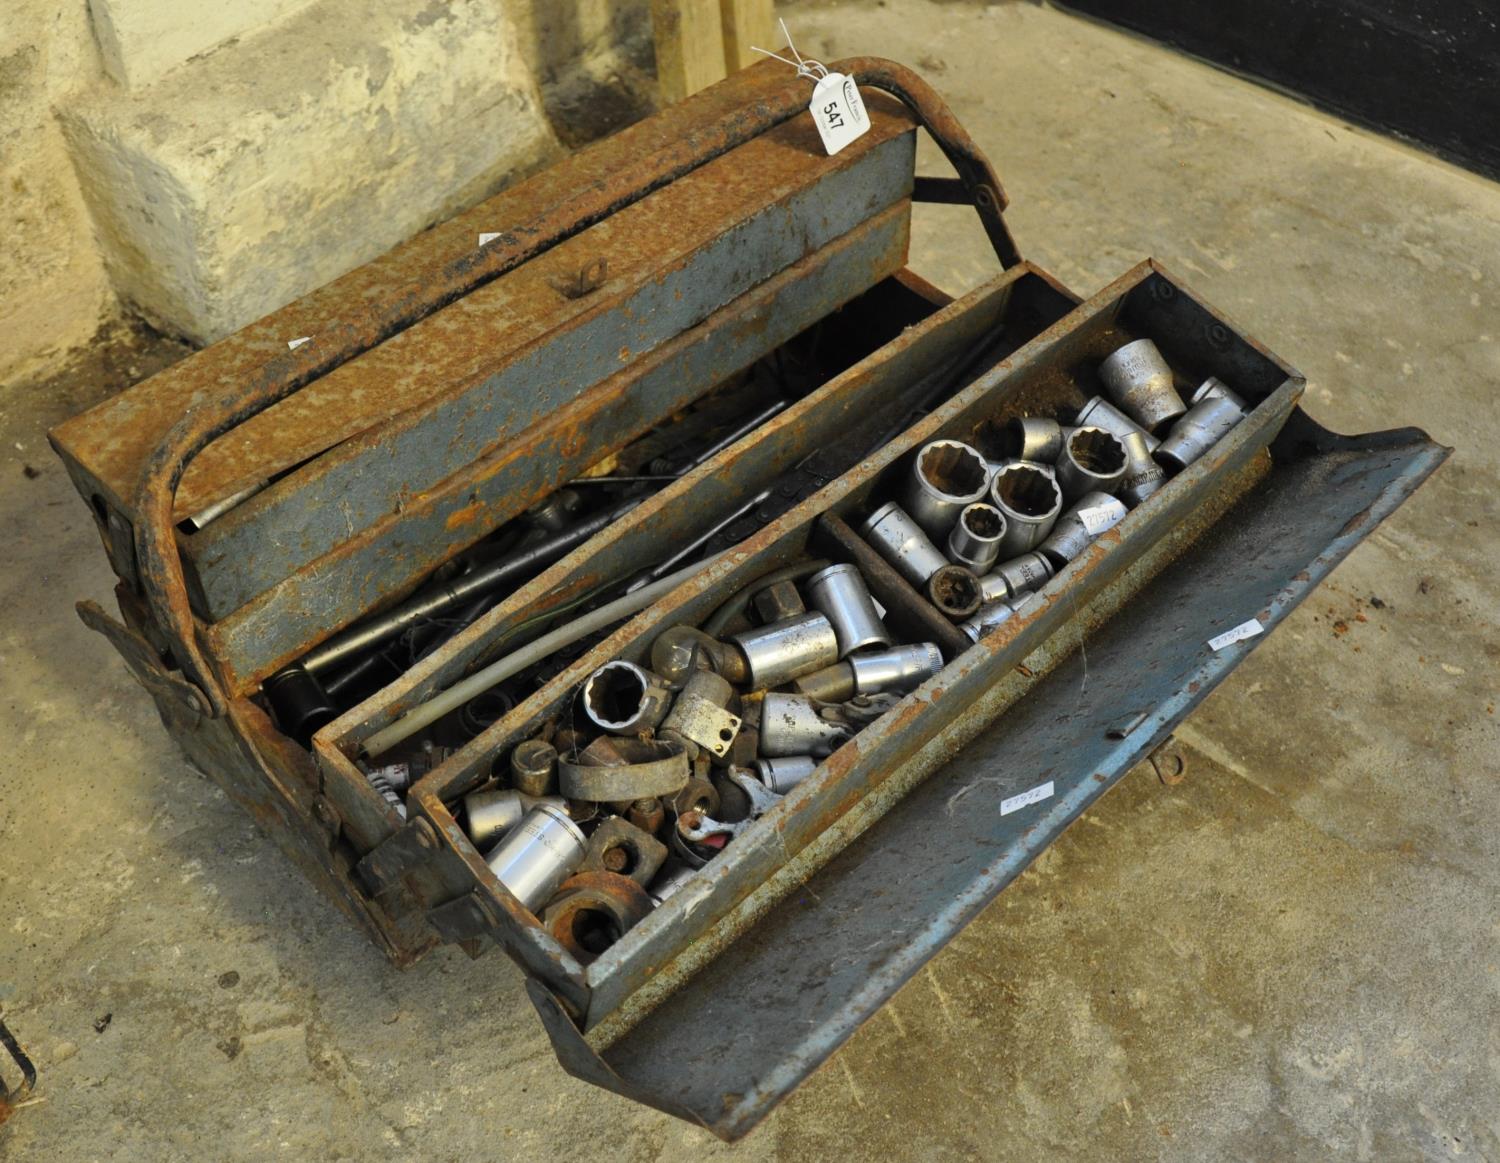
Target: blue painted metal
741	1034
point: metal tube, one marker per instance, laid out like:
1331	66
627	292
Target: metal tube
1143	476
1198	431
1030	501
840	594
1139	380
537	855
1100	413
946	475
901	668
975	540
1090	516
901	541
781	651
791	725
1092	460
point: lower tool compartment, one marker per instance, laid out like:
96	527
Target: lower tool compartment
1054	377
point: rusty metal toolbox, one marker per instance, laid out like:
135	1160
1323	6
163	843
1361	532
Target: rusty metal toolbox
268	494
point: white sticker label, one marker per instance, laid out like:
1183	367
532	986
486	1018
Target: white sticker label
1101	517
1244	630
839	111
488	236
1042	791
294	344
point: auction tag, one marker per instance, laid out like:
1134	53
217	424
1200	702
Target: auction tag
1100	517
839	111
1244	630
1042	791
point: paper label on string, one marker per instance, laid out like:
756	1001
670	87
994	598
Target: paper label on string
1244	630
488	236
839	111
294	344
1099	518
1042	791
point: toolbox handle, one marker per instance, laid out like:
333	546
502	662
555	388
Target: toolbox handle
778	98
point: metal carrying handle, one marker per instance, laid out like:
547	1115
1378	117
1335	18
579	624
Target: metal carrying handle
158	563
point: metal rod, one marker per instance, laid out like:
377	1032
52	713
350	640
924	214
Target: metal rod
664	567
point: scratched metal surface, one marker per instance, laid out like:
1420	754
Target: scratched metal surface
740	1035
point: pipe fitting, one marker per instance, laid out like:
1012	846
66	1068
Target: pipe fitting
489	814
1018	576
1100	413
954	590
1143	476
839	593
1030	501
1198	431
1092	460
901	541
901	668
987	619
782	774
622	699
795	725
537	855
1138	378
946	476
1090	516
1215	387
778	653
533	768
975	539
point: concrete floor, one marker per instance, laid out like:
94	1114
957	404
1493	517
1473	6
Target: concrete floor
1294	954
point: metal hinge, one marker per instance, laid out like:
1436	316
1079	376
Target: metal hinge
384	865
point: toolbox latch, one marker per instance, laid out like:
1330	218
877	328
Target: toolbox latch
384	865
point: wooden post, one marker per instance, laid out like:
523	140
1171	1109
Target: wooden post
746	23
689	46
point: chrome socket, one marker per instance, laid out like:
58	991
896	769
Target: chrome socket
533	768
975	539
781	775
538	854
793	725
1033	438
780	652
839	593
1215	387
990	616
490	814
946	475
1100	413
1198	431
622	699
1030	501
901	668
954	590
832	684
679	651
1138	378
1143	476
1090	516
1093	460
900	540
1018	576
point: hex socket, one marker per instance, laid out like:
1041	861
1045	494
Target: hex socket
976	535
1020	575
1033	438
946	475
1100	413
783	774
954	590
791	725
1092	460
1090	516
783	650
622	699
839	593
901	541
491	813
538	854
533	768
988	617
1198	431
1143	476
1214	386
1030	501
1138	378
901	668
832	684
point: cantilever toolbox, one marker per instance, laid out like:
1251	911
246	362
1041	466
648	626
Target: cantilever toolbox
371	549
